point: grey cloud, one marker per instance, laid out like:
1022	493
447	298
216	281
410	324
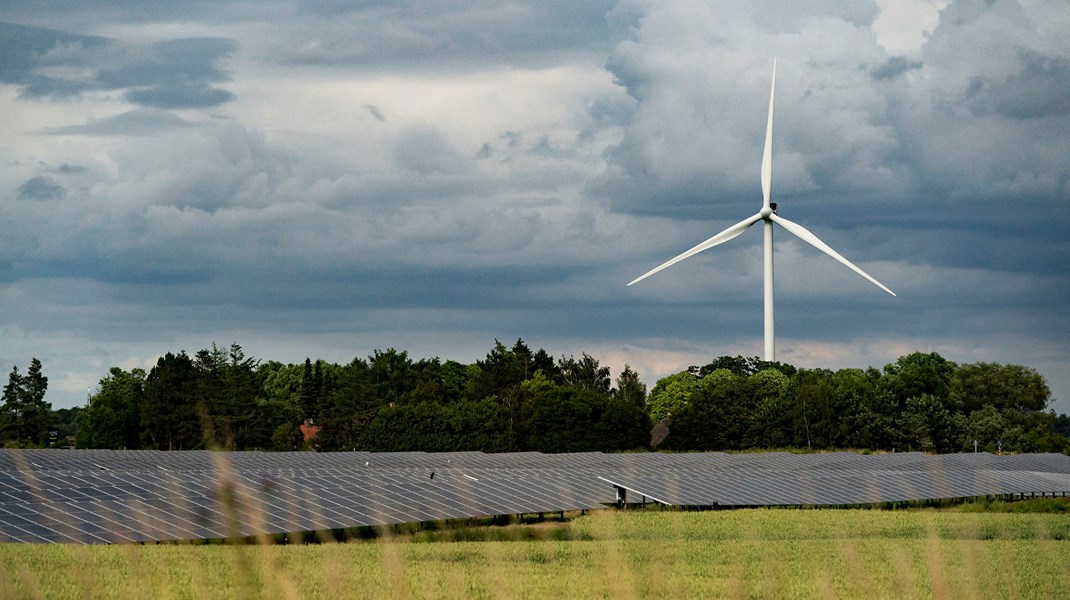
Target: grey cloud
373	35
394	223
186	216
894	67
692	134
1040	88
189	60
778	17
24	49
138	122
180	96
900	175
767	16
335	8
109	12
177	73
41	188
425	150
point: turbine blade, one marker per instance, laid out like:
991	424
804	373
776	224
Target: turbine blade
767	155
804	234
720	238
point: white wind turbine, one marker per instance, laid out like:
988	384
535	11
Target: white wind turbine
769	215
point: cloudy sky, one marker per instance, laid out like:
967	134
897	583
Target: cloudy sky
327	178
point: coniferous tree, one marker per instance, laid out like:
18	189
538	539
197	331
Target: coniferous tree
309	393
169	419
11	416
25	414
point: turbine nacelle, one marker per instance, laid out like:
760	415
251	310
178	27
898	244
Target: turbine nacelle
768	214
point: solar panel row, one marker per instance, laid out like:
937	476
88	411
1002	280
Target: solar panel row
107	496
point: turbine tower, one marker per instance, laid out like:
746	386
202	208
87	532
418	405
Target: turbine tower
767	215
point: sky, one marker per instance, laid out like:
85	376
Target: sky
324	179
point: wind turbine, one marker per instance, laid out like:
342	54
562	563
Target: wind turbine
768	215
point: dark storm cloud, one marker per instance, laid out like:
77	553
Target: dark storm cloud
180	96
1039	88
392	171
25	50
178	73
41	188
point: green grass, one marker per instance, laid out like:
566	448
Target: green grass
645	554
1033	505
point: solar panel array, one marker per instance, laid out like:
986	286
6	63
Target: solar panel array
111	496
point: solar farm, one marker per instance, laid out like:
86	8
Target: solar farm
115	496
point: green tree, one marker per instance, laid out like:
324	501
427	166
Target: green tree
280	383
1062	425
112	419
351	407
917	374
715	417
671	394
985	425
227	389
629	389
169	419
274	421
859	418
24	414
621	425
454	377
744	366
11	410
769	422
501	375
813	412
65	426
426	382
928	425
577	419
584	374
391	373
1015	387
435	427
309	392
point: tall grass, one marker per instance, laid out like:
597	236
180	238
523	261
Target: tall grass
648	554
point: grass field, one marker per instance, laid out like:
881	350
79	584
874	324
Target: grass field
728	554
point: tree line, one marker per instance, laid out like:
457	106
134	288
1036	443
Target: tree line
519	399
515	399
920	402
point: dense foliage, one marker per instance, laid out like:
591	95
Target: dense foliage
920	402
517	399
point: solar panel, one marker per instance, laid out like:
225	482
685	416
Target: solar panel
110	496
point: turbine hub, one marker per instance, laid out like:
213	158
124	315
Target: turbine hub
766	211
